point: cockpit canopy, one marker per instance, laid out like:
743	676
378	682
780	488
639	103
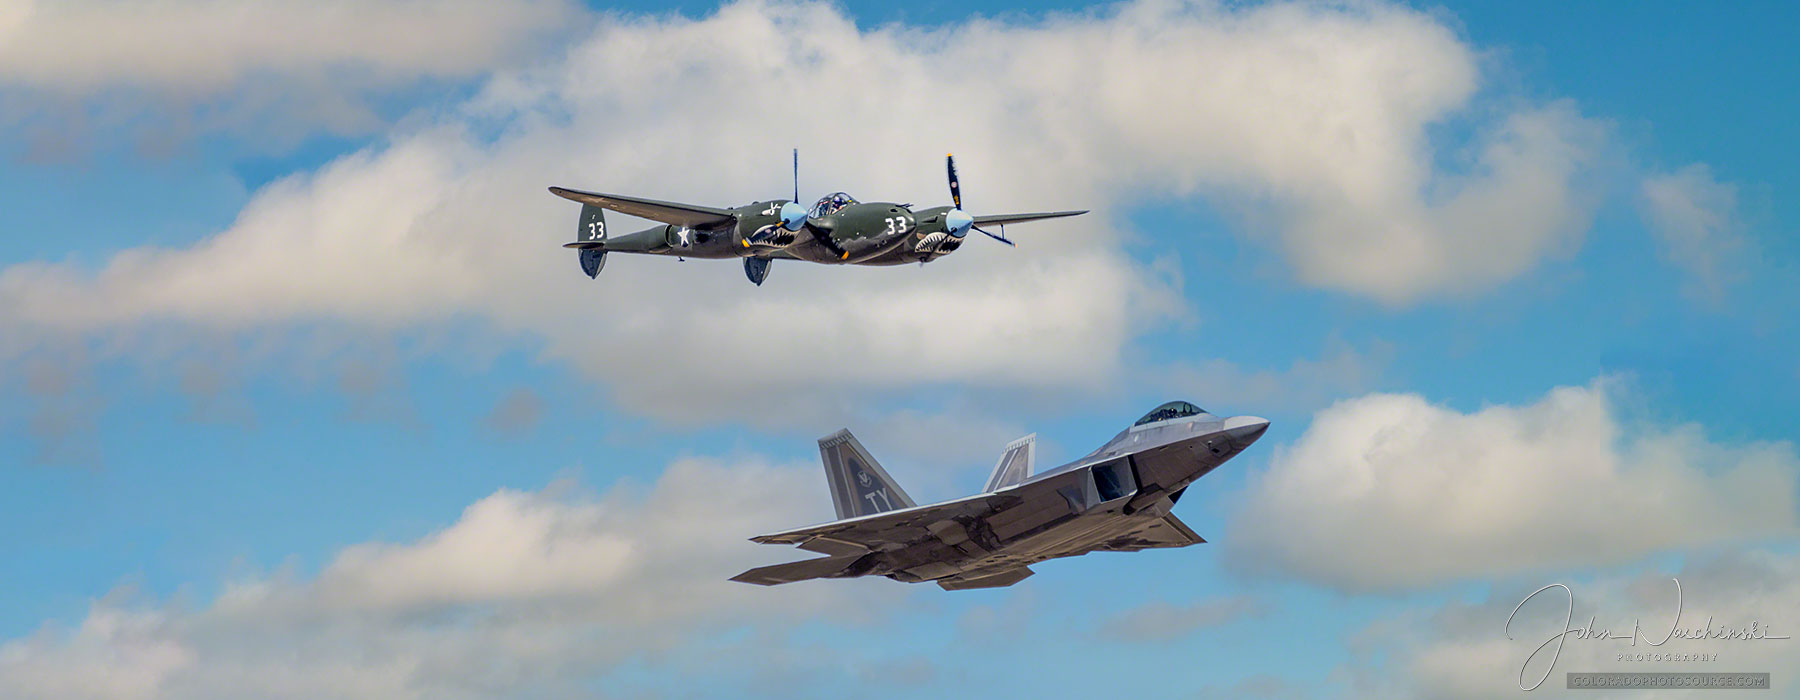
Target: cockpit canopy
831	203
1172	409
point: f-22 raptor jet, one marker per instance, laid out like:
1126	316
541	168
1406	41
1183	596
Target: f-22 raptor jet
838	230
1116	499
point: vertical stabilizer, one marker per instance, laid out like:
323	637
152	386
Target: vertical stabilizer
859	486
592	231
1015	464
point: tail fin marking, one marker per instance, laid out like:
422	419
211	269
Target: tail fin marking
859	486
592	230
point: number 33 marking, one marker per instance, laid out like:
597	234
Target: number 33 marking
897	224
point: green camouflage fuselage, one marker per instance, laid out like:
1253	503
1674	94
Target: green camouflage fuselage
867	233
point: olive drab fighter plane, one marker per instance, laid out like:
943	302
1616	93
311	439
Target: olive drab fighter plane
1116	499
837	230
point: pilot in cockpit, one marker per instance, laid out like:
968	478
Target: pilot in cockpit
831	203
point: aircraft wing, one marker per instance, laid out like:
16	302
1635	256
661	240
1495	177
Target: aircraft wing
1169	531
689	215
898	527
1004	219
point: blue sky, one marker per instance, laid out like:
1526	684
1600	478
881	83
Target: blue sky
301	399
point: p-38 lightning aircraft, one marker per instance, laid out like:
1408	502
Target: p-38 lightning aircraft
1116	499
838	230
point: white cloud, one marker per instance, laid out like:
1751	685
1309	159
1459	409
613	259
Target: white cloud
1694	215
1313	119
1306	384
1461	649
205	46
517	414
1389	491
115	653
1407	237
1161	622
261	65
528	593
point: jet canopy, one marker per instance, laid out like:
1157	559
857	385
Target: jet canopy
831	203
1170	410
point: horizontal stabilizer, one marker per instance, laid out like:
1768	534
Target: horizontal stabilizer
823	567
998	579
689	215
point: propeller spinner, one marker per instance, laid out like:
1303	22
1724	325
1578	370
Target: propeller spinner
956	221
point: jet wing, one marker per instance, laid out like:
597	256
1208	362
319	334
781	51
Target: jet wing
822	567
897	527
689	215
1168	531
997	579
1004	219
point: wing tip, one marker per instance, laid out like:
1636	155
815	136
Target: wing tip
750	578
574	195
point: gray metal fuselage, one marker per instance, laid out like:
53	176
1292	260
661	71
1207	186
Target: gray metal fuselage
1117	498
1162	458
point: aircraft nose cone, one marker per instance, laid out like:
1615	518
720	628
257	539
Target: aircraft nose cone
1245	429
957	222
793	216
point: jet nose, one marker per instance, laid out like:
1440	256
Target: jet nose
1245	429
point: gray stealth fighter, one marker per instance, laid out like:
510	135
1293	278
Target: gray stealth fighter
1116	499
838	230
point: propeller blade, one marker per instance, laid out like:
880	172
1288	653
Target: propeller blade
955	187
1001	239
796	175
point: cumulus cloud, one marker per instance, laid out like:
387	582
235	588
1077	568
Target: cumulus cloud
1311	120
205	45
1461	649
516	414
317	64
1261	685
1694	216
527	593
1161	622
1303	385
1389	491
57	408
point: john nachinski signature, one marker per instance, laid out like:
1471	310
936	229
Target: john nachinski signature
1751	633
